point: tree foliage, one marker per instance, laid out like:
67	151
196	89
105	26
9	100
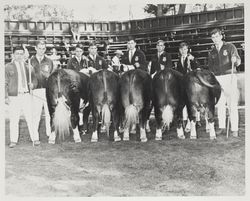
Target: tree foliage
166	9
37	12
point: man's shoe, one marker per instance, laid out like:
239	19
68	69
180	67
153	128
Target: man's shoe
235	134
36	142
12	144
220	131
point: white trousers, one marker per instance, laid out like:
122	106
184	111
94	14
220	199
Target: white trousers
229	97
21	105
38	103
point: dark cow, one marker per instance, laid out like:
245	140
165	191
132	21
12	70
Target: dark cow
203	92
104	100
135	94
64	90
168	101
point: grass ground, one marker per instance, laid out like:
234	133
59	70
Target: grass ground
170	167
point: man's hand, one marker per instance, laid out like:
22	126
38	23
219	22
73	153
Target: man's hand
190	57
162	67
31	86
233	59
137	65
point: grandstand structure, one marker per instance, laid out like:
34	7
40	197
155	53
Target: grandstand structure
193	28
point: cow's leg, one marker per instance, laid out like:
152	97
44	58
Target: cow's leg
147	123
115	119
158	118
86	113
192	116
206	120
186	120
212	134
52	136
142	123
180	133
75	124
95	114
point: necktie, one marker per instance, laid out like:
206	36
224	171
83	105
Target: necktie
22	76
182	60
130	55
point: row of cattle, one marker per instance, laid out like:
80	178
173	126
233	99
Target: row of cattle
127	100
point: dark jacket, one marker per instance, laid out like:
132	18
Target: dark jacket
165	59
42	70
184	68
138	57
75	65
11	78
220	62
98	64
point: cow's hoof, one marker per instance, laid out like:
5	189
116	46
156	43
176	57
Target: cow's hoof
78	140
182	137
193	137
212	137
125	138
207	130
52	142
158	138
94	140
117	139
144	139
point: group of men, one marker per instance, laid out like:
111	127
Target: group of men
23	96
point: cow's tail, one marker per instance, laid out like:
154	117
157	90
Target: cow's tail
167	116
131	116
106	116
61	117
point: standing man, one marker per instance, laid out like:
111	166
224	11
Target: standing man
185	64
43	67
161	60
95	62
221	58
133	58
186	61
78	62
17	95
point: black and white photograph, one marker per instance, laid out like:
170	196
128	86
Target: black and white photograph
124	99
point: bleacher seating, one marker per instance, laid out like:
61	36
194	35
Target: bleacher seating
193	28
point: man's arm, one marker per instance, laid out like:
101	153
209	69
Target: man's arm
235	58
